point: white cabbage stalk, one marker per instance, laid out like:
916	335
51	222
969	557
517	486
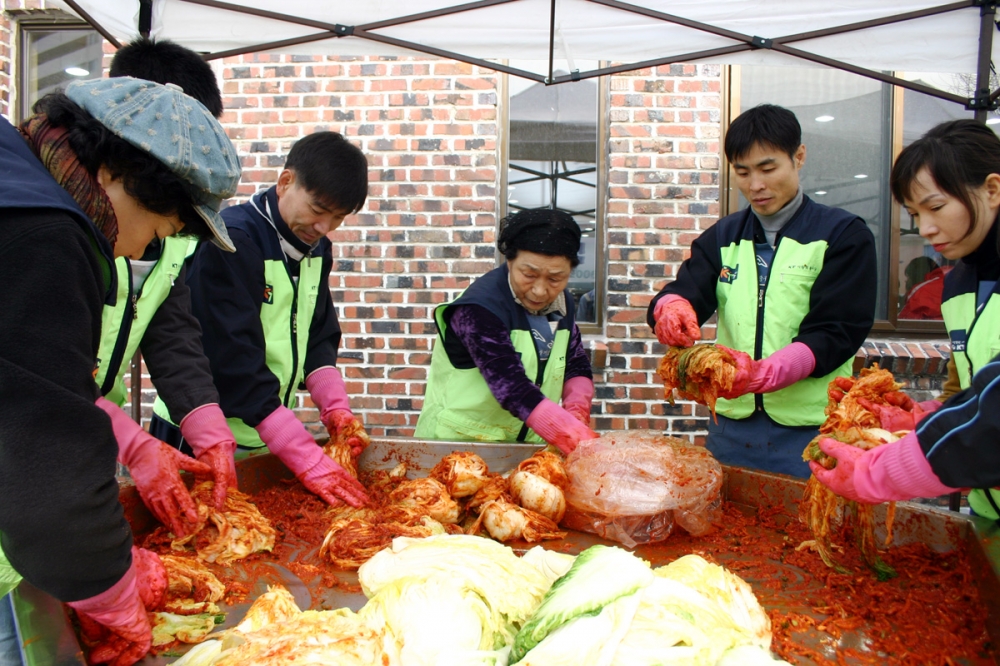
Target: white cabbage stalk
587	640
510	587
552	564
533	492
203	654
435	621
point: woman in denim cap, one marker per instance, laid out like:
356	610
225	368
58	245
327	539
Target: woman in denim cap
95	174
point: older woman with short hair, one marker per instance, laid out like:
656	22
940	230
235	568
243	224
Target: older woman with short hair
509	350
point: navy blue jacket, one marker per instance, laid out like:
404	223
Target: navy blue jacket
62	525
227	291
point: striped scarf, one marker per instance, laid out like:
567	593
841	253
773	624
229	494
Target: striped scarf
51	145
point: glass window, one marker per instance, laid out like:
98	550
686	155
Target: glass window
845	128
921	269
552	162
52	56
852	127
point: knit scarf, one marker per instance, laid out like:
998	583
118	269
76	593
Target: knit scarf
51	145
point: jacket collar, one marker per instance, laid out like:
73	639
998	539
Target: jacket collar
266	203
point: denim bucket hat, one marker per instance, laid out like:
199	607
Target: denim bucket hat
173	128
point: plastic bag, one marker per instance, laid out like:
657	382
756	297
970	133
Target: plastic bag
632	487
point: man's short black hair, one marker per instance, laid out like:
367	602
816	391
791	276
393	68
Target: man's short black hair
331	168
765	125
166	62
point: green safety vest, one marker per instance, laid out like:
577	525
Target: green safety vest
975	341
780	311
124	323
285	351
458	404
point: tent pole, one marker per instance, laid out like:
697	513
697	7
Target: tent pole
987	16
552	41
94	24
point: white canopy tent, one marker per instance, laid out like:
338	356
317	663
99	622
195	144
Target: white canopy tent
861	36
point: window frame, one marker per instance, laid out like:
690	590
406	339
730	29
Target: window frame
35	23
729	202
600	203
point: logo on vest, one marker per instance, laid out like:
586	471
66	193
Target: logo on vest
803	267
728	275
269	294
958	339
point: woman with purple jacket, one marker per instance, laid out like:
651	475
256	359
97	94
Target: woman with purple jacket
509	350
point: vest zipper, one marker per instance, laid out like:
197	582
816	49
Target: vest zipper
758	343
114	363
295	343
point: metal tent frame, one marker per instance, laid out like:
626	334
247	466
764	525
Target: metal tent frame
981	102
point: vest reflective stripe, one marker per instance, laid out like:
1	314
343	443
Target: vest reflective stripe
981	346
121	328
458	404
9	578
785	304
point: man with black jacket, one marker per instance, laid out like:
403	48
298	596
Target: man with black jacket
794	283
153	309
267	314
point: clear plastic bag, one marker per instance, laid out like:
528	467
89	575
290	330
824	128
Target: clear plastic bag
632	487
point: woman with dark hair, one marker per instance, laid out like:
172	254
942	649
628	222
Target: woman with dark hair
508	349
949	181
95	174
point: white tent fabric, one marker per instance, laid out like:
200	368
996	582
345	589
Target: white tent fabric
584	30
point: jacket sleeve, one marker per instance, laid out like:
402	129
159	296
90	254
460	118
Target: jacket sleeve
171	347
842	301
696	279
63	526
324	329
227	291
960	439
577	361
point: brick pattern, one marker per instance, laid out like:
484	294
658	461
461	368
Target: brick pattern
429	130
663	190
6	67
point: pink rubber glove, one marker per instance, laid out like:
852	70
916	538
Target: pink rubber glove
288	439
155	468
894	418
150	577
577	395
326	386
887	473
779	370
676	321
558	427
206	431
115	622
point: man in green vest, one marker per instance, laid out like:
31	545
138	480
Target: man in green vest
794	284
267	314
152	314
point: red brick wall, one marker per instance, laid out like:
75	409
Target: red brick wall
429	130
6	42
